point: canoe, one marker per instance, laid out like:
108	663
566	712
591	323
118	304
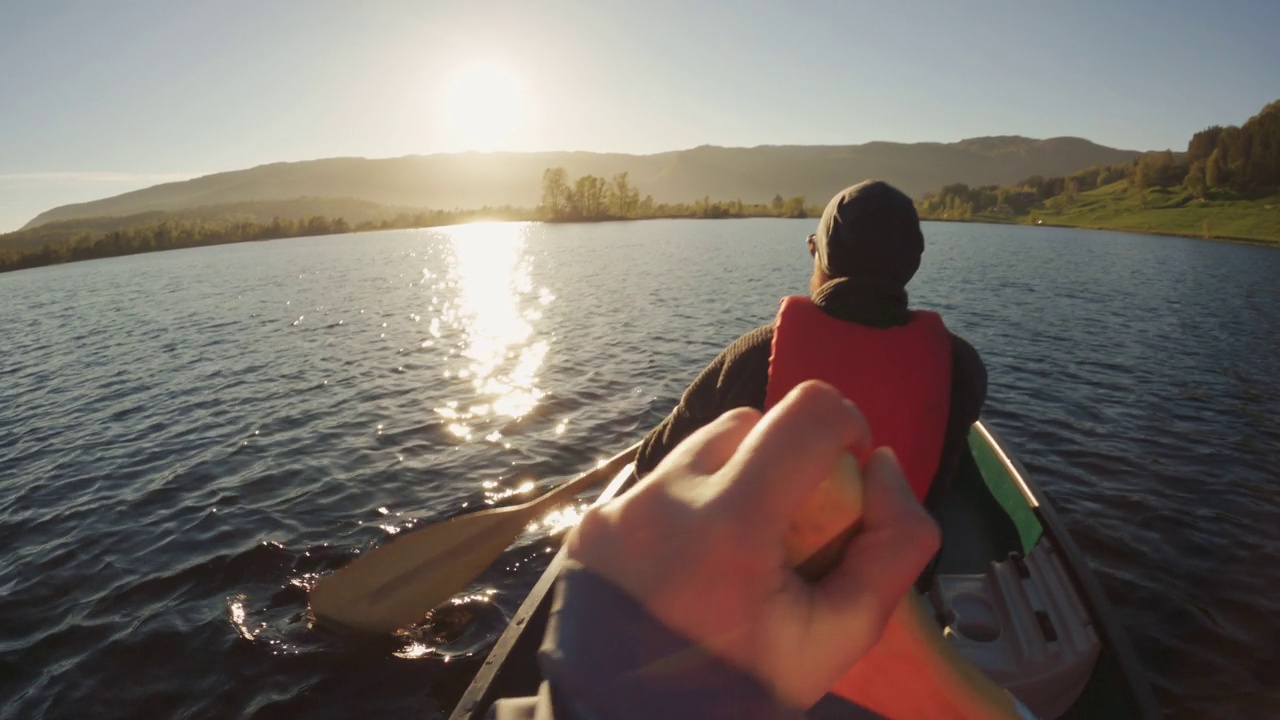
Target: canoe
1010	590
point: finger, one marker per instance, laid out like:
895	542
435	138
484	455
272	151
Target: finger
598	541
699	455
884	560
792	449
890	503
712	445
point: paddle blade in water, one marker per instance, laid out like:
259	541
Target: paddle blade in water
397	584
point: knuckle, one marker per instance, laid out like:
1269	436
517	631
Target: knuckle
926	534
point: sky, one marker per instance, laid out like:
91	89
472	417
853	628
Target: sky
99	98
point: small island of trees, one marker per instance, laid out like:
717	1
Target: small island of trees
591	198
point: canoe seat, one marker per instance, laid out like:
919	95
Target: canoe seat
1023	624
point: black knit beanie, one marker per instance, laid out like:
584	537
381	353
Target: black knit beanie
870	233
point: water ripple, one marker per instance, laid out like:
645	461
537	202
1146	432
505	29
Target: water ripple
191	438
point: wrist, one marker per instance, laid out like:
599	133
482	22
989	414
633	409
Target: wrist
614	659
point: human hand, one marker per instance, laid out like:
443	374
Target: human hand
699	543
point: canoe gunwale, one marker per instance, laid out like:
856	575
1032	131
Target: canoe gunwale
1100	608
1012	466
479	693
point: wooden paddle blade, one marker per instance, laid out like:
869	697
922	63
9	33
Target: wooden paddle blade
395	585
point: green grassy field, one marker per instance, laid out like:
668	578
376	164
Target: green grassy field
1171	211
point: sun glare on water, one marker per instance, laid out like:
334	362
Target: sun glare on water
493	313
483	106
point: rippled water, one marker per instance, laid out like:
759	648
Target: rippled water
187	438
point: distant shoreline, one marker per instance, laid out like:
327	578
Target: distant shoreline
180	236
1131	231
589	200
94	251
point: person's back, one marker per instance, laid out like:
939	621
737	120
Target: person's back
930	383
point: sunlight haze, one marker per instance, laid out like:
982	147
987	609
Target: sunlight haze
483	106
111	96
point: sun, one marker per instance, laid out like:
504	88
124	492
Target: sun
483	107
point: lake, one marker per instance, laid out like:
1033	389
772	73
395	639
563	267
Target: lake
188	438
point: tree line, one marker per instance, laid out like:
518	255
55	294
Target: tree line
595	198
1218	158
588	198
1241	158
177	234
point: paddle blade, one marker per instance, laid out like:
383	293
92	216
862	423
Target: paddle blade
395	585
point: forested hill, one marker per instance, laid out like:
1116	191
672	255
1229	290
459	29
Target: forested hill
473	180
1226	185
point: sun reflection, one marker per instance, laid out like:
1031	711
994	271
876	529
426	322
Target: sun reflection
560	519
490	276
451	630
493	495
236	611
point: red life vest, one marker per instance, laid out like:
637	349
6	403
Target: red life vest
900	377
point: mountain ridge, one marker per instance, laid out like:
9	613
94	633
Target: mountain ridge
471	180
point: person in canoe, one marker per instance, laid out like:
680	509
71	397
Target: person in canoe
920	385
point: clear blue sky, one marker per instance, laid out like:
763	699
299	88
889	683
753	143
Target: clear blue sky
97	98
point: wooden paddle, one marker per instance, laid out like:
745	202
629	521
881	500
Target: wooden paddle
912	672
396	585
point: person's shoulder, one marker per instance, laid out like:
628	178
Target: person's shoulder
747	346
963	349
740	372
963	353
762	335
750	348
969	377
963	345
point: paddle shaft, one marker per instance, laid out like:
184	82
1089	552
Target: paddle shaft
912	671
584	481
